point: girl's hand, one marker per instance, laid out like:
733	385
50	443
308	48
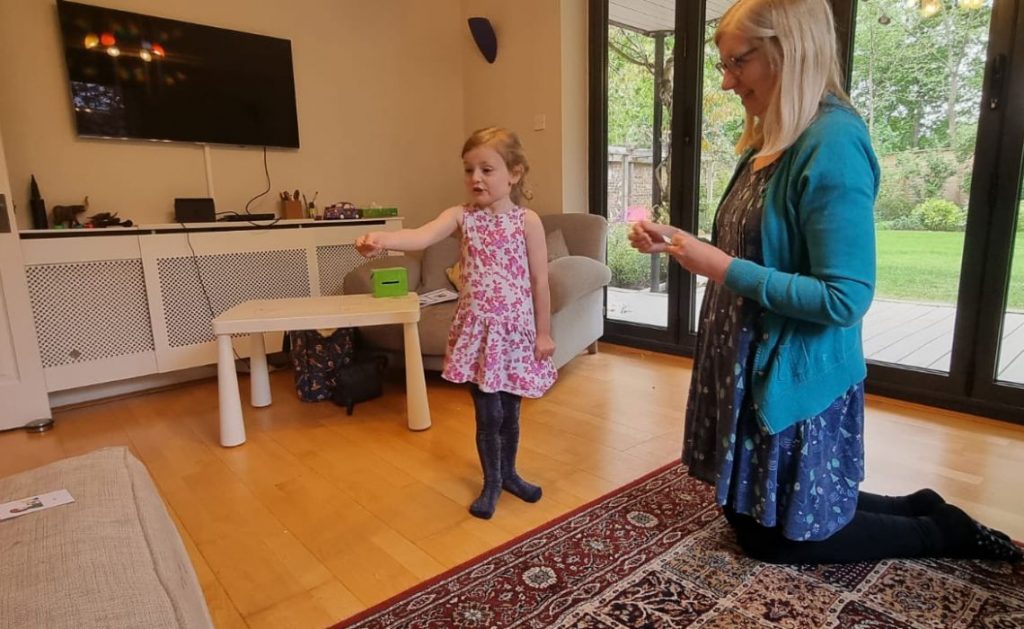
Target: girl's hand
699	257
545	347
645	238
368	245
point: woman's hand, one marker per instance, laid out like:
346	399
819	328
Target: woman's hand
369	245
648	237
699	257
545	347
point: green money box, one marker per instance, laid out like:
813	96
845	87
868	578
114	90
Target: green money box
390	282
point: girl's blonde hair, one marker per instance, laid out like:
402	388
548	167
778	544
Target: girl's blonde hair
798	38
506	144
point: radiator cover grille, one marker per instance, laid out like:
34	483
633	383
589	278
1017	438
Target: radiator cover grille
229	279
87	311
335	262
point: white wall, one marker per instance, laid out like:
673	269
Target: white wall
540	70
387	90
379	95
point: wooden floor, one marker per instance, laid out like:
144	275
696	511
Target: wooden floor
319	515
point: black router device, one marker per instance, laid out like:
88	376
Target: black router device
194	211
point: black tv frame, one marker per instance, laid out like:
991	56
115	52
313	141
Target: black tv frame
113	105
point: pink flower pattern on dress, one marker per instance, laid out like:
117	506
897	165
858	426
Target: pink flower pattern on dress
494	333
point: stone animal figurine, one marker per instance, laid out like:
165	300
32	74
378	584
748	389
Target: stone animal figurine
67	215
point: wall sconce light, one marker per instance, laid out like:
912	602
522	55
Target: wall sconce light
483	35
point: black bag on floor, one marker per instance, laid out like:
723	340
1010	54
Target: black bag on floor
358	381
317	358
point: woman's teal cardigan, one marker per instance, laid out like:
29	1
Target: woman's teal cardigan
818	275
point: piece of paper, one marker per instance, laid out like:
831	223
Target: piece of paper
32	504
438	296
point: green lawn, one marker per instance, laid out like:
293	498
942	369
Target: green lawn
925	266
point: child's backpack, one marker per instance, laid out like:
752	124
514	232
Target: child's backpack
358	381
317	358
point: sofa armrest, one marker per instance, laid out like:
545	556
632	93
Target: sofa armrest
572	277
358	280
585	234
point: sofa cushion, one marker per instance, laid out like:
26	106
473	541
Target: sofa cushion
434	323
572	277
112	558
556	245
437	258
454	274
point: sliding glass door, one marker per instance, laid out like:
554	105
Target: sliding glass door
940	85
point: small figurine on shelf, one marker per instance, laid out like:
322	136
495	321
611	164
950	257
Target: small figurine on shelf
106	219
66	216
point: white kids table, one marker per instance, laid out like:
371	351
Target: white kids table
310	313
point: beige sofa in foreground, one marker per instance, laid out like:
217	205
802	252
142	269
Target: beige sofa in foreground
112	558
577	281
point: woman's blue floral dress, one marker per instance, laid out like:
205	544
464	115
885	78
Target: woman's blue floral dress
805	478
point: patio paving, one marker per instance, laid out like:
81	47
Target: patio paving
905	333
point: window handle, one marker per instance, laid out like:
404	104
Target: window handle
995	82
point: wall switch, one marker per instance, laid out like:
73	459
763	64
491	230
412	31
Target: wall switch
540	122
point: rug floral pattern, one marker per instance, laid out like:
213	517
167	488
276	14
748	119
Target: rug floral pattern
659	555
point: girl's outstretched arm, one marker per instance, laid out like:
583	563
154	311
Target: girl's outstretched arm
411	239
537	254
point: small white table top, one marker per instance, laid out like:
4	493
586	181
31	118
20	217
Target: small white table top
314	313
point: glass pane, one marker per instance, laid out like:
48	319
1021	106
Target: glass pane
721	127
1011	345
638	170
917	78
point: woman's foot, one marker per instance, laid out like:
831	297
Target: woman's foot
522	489
967	538
483	506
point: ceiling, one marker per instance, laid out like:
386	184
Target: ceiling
656	15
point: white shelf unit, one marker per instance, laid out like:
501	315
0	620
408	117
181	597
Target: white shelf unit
114	304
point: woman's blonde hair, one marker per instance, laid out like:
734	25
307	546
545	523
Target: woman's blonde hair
506	144
798	39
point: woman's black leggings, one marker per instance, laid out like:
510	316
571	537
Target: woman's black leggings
877	531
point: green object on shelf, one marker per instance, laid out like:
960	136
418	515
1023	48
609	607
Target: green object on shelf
390	282
379	212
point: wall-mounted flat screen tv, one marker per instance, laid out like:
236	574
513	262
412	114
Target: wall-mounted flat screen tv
144	77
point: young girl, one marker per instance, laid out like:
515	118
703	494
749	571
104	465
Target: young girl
500	340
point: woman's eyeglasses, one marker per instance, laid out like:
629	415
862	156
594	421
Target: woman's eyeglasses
735	64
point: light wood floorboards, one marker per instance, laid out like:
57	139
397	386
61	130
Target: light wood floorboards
320	515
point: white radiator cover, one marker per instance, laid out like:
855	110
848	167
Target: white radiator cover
116	305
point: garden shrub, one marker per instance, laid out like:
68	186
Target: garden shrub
940	215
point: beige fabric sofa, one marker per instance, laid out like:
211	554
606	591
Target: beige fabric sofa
576	280
112	558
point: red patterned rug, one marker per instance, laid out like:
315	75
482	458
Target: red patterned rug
657	553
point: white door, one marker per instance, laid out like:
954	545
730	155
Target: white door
22	385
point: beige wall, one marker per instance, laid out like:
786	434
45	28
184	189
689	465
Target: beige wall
387	91
540	70
379	95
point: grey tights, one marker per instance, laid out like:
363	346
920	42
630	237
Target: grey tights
497	443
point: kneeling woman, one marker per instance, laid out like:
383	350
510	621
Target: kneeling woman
775	418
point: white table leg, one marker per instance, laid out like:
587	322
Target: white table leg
415	381
259	378
232	426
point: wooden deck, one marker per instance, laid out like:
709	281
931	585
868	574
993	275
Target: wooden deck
905	333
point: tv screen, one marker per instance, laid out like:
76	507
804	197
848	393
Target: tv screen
145	77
